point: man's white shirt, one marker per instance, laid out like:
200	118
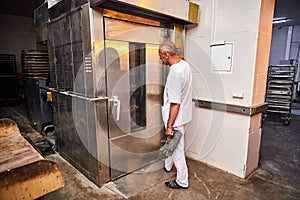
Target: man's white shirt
178	89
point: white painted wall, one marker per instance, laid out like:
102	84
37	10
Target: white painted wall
279	43
237	22
215	137
17	33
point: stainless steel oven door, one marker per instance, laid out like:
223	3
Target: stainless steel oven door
134	84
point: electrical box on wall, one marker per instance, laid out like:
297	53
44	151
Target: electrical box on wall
221	57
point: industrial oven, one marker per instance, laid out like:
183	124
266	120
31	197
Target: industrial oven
107	81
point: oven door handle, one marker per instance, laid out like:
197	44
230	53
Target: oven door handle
117	103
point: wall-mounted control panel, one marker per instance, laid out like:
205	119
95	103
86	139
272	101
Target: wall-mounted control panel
221	57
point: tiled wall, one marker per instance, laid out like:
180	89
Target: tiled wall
234	22
263	51
219	139
226	140
260	77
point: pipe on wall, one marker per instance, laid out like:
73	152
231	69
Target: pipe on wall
213	22
288	43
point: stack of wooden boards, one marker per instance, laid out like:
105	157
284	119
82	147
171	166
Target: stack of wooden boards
24	173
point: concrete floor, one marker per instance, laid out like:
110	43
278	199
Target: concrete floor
278	175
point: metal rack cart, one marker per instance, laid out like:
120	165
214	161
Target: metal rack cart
279	93
35	63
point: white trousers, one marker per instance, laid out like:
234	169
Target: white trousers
178	158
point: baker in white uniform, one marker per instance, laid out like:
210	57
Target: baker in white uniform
177	109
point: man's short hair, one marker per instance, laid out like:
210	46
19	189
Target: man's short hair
168	47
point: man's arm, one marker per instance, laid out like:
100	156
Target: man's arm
174	109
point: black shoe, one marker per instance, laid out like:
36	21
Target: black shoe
174	185
167	170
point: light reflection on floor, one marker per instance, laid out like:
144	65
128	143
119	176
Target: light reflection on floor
140	180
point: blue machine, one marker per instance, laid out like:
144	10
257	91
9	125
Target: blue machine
39	104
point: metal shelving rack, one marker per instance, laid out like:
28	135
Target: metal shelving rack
279	94
8	80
